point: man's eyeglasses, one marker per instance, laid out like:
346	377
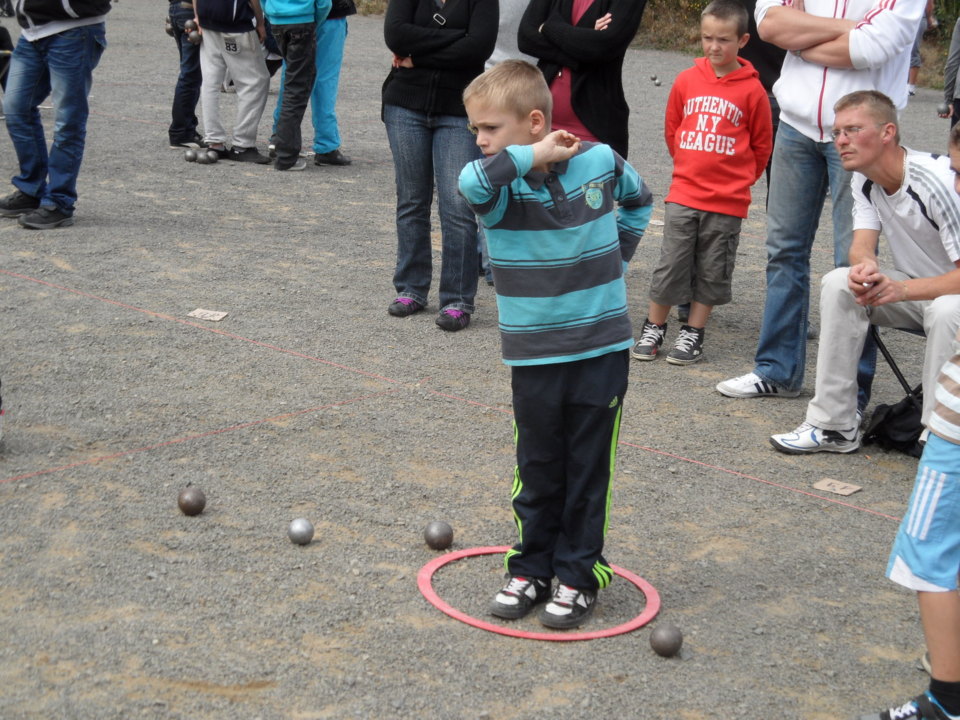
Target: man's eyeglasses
850	132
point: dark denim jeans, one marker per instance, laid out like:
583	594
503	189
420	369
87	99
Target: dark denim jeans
60	66
298	46
183	127
430	151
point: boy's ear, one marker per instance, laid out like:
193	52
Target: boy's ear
538	121
744	39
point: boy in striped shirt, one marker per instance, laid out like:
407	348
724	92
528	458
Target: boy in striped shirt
562	220
926	552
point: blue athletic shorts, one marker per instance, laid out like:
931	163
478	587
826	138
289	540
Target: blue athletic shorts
926	553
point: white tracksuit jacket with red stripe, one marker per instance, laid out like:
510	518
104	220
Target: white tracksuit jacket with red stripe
879	50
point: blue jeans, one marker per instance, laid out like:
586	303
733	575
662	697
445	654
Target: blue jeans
331	37
60	66
183	127
428	150
802	174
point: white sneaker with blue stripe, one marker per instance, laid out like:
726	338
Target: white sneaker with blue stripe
810	439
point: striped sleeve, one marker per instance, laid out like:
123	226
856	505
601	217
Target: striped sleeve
944	204
945	418
635	207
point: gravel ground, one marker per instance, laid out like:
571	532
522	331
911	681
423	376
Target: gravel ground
309	400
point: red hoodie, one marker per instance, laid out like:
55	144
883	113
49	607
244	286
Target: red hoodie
719	133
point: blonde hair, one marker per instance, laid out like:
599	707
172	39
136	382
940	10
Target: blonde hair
513	86
874	102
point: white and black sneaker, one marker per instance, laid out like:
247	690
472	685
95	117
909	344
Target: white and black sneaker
920	708
688	347
651	338
518	597
568	608
809	438
752	385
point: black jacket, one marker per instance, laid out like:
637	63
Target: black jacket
595	57
341	8
448	46
40	12
226	16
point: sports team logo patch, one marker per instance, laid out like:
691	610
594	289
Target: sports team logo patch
593	194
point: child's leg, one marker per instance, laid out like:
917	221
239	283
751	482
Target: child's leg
699	314
591	426
940	615
252	81
672	278
212	68
717	239
925	558
538	482
657	313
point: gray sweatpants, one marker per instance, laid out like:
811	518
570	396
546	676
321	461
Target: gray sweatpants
240	53
843	330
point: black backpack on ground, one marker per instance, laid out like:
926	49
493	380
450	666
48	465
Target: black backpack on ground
897	426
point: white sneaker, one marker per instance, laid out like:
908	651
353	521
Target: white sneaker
810	439
752	385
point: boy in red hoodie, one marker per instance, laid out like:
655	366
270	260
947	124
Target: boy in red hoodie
719	133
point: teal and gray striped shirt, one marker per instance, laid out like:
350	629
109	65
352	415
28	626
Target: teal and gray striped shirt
558	244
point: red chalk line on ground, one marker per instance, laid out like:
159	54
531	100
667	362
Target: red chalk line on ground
425	583
357	371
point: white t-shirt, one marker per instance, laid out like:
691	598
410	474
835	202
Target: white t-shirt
921	220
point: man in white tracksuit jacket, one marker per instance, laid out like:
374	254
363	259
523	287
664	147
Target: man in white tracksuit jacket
835	47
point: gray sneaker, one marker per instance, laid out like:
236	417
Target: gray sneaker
18	203
688	348
651	338
300	164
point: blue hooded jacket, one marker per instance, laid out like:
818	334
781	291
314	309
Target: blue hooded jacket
295	12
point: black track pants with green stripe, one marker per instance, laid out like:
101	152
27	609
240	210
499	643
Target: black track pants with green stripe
567	421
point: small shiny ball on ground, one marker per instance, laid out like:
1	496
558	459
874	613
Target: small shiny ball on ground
657	83
191	500
438	535
202	158
300	531
190	155
212	156
666	640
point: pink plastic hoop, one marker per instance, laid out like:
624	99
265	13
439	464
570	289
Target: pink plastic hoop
425	583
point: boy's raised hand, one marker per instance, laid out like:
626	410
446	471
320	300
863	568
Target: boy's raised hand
557	146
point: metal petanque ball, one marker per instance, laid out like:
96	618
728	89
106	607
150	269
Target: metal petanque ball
191	500
300	531
438	535
193	37
943	109
212	156
657	83
190	25
190	155
666	640
202	158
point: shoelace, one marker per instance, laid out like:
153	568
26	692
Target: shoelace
517	586
565	595
904	712
686	340
652	334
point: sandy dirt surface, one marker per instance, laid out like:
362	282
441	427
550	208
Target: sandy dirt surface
309	400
